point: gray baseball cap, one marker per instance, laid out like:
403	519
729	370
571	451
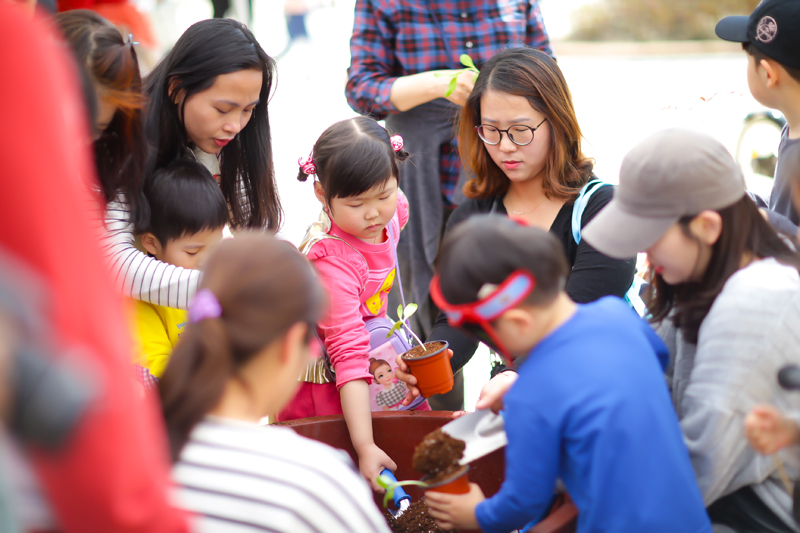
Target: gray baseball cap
669	175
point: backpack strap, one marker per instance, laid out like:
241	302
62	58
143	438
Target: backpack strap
580	205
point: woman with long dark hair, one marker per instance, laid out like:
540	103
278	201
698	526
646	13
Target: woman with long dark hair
251	326
726	299
207	98
120	149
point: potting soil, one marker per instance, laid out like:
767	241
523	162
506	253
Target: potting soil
437	456
422	351
415	519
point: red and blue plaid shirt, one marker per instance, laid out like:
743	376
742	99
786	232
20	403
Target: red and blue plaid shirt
393	38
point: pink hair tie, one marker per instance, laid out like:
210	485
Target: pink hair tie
307	165
204	305
397	143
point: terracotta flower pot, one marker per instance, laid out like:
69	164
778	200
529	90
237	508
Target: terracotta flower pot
433	371
458	483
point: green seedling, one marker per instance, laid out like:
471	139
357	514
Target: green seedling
467	62
390	486
402	321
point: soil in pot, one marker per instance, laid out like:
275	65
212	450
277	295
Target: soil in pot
422	351
437	456
415	519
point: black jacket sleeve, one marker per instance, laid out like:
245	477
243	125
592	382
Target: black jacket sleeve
595	275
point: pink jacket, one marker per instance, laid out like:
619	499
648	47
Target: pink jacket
358	284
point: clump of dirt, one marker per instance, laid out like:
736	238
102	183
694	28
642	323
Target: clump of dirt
437	456
415	519
421	351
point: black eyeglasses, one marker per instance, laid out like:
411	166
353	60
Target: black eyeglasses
518	134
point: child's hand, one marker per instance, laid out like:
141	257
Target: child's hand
492	393
768	430
405	376
371	461
455	511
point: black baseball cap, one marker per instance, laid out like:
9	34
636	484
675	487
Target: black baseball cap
773	28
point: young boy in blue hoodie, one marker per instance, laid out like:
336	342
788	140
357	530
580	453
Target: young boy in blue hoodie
590	405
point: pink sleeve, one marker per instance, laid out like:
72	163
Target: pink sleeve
343	330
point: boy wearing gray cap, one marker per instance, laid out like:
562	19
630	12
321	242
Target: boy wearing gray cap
771	38
726	298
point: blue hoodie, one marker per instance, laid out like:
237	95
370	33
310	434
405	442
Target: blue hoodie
591	407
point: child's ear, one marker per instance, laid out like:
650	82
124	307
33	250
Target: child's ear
771	73
294	344
320	193
151	244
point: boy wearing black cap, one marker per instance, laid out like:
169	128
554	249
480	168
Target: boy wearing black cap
771	38
590	405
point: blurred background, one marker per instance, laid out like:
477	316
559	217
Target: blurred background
633	66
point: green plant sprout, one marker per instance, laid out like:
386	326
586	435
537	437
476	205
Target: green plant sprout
390	486
467	62
402	321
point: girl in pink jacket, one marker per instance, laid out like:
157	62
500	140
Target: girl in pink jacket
352	247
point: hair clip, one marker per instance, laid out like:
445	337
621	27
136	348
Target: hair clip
307	165
204	305
397	143
130	40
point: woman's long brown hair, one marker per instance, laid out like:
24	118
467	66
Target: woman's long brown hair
264	286
534	75
121	151
744	231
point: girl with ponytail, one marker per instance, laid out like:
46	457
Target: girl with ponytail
238	360
352	247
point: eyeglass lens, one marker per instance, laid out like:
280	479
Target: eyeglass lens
520	135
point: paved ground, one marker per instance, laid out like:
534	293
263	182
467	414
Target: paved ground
619	100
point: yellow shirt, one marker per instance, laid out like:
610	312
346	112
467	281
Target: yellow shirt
158	329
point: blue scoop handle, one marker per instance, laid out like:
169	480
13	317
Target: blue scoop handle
399	493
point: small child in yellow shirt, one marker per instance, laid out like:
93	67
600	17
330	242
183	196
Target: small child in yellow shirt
188	214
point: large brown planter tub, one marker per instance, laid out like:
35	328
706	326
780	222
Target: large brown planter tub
398	433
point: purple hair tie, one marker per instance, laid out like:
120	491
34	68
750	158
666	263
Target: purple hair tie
204	305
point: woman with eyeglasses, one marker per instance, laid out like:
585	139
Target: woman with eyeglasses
518	134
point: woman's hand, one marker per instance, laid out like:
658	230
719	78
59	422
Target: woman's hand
768	431
406	377
455	511
371	462
464	85
492	393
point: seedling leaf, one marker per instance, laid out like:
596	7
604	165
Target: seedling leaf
451	87
397	325
467	61
400	312
410	310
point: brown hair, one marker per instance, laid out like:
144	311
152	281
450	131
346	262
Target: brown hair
263	286
534	75
758	55
375	364
744	231
352	156
112	66
506	246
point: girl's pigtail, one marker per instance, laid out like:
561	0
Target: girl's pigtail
307	168
397	143
195	379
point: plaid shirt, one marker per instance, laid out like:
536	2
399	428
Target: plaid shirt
393	38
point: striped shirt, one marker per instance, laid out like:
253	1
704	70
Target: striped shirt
240	477
136	274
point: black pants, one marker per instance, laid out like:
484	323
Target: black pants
744	512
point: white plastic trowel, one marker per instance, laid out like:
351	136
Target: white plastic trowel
482	431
